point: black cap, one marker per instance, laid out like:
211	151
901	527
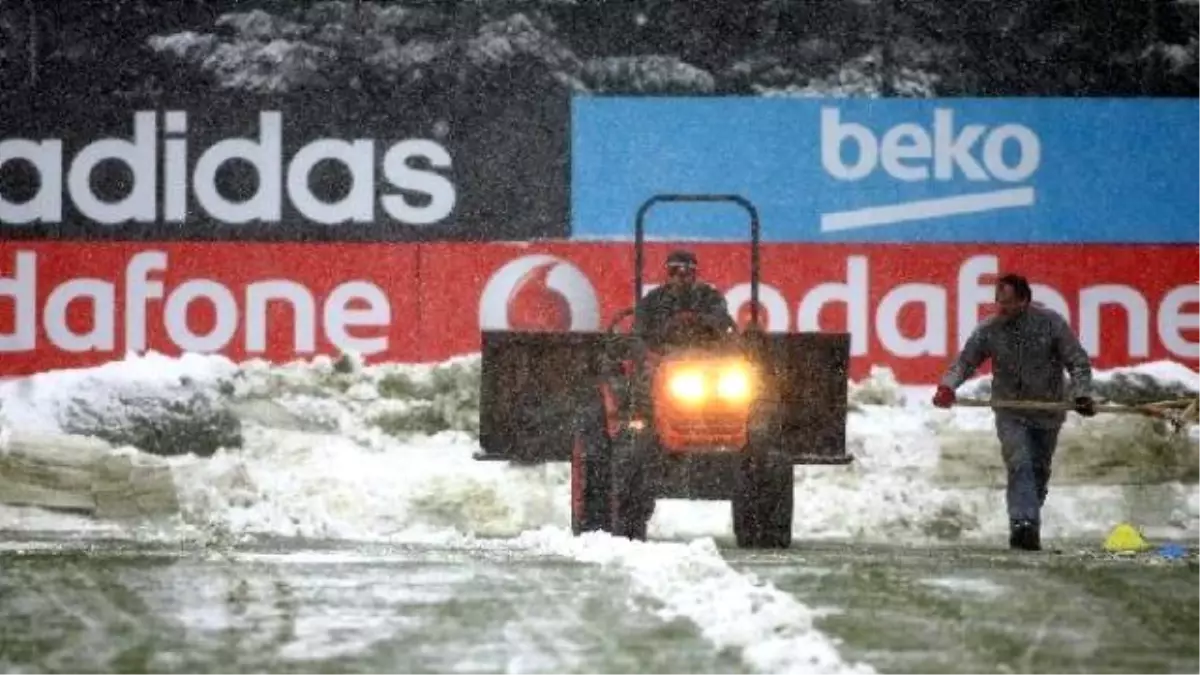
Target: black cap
681	258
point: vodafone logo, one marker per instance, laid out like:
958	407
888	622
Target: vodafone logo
539	293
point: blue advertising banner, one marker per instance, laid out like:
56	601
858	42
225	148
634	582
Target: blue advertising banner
904	170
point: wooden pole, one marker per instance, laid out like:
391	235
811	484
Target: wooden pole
1178	411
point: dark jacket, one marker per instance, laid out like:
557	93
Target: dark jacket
659	305
1028	355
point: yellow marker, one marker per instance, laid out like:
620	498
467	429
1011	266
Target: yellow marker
1125	538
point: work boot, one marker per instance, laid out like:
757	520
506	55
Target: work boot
1025	535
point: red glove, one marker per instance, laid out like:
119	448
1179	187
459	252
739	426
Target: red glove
1084	405
944	398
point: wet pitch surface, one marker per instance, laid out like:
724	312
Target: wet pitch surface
280	606
986	609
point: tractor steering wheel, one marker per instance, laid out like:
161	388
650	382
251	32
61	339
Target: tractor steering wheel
690	328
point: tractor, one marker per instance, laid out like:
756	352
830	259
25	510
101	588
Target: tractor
711	415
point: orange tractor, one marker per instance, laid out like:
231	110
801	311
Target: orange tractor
703	414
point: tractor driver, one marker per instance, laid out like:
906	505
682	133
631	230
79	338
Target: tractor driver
681	297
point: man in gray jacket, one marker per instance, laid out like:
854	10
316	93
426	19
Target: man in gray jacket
1029	347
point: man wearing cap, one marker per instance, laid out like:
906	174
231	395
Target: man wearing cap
682	295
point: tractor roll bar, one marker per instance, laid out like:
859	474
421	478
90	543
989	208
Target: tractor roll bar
639	236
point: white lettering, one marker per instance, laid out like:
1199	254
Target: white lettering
918	147
972	293
950	150
358	158
439	188
833	134
339	315
906	150
138	291
1093	298
352	304
138	155
22	288
46	205
771	303
155	305
853	293
175	170
1051	299
102	336
224	311
264	154
932	340
1173	320
304	314
1028	159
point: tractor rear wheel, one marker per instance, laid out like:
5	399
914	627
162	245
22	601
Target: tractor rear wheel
591	472
591	487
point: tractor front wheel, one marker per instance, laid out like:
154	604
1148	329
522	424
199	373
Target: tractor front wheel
612	489
633	496
763	501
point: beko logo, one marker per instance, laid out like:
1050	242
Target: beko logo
1003	158
276	176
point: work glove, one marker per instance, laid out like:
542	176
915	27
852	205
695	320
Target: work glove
1084	405
944	398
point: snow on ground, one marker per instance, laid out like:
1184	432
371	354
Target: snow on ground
329	470
773	631
316	464
39	402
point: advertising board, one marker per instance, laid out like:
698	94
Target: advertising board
68	305
996	170
907	307
238	168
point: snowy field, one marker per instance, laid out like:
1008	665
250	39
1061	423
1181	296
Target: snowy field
353	530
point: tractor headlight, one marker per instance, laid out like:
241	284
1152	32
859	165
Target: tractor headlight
733	384
687	386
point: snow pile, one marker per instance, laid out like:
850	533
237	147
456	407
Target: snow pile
879	388
343	395
365	486
1145	383
331	448
773	632
196	404
161	405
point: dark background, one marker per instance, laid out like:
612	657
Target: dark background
492	80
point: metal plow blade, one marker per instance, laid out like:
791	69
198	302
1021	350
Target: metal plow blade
532	384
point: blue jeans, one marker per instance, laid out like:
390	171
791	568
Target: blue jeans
1028	451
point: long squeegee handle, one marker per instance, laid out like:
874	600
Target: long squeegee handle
1056	405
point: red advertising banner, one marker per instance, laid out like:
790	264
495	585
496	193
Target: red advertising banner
67	305
72	304
909	307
